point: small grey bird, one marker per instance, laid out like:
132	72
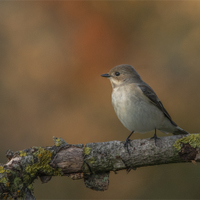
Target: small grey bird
137	105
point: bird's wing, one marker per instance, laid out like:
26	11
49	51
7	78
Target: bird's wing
151	95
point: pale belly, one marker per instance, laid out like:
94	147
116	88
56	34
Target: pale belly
136	114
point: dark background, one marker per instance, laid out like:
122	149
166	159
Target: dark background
51	57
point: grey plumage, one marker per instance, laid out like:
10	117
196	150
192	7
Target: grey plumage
136	104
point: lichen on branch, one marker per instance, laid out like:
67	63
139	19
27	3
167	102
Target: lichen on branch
92	162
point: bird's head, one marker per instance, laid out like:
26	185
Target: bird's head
122	74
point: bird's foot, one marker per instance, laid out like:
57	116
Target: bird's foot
126	143
155	138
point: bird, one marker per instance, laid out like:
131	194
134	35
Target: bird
136	104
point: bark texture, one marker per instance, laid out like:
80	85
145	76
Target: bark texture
92	162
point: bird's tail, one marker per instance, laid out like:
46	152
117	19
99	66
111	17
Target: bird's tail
179	131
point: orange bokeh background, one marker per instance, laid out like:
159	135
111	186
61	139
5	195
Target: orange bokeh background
51	57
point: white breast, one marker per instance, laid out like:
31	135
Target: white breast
135	110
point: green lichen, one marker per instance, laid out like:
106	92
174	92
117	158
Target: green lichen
34	147
193	140
12	182
7	184
91	160
2	170
42	165
32	164
85	168
8	171
3	180
59	142
31	188
22	153
105	178
3	177
18	183
86	151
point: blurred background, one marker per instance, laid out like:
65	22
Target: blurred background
51	57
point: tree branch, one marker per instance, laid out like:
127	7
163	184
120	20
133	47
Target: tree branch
93	162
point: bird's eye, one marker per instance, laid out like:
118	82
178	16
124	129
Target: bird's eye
117	73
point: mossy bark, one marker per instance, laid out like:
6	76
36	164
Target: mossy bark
93	162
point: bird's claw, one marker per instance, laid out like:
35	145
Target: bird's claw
127	141
155	139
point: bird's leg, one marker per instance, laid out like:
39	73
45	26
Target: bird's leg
127	141
155	137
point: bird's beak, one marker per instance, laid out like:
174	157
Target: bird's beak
105	75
